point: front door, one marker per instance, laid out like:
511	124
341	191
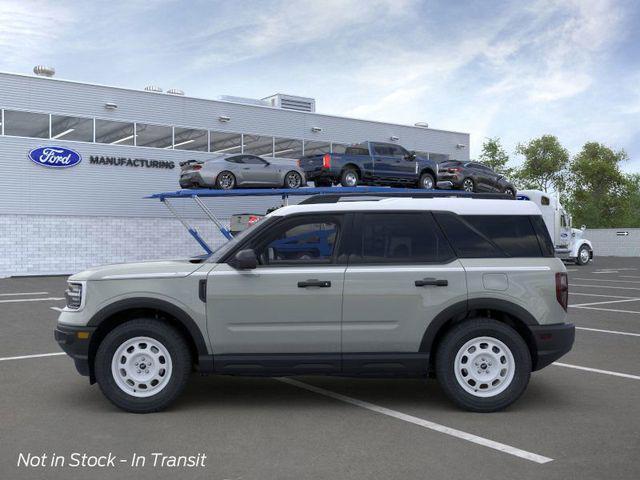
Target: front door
402	275
291	303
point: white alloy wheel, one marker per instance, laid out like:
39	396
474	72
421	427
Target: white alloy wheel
484	367
141	367
427	182
351	179
293	180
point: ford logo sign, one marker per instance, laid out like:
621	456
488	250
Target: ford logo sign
55	157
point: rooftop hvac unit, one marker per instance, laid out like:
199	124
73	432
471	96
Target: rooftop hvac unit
43	71
244	100
175	91
291	102
153	88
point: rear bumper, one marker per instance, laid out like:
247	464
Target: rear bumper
320	173
456	181
552	342
77	347
190	180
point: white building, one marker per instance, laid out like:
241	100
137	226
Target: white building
61	220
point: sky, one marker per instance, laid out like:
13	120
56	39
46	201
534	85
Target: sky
514	70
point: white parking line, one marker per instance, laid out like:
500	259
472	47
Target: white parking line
597	295
597	370
533	457
615	332
604	302
23	293
607	280
604	286
31	299
23	357
608	310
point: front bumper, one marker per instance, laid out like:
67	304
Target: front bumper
552	342
75	343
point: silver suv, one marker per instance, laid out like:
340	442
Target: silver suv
467	290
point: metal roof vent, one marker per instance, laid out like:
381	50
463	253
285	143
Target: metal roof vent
422	124
292	102
175	91
153	88
44	71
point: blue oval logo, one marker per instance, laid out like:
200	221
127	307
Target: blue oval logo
55	157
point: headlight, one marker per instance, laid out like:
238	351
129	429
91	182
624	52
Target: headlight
73	294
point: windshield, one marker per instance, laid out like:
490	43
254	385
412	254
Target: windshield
223	249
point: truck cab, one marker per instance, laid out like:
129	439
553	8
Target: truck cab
568	241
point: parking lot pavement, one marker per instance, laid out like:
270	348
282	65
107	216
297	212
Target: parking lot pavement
586	422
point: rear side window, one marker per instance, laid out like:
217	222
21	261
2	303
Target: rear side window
357	151
467	241
546	245
513	234
400	238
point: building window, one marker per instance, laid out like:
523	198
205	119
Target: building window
157	136
71	128
338	147
316	148
226	142
190	139
258	145
26	124
287	148
115	133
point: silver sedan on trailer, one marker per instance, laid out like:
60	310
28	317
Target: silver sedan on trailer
241	170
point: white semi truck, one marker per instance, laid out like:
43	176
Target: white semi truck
568	241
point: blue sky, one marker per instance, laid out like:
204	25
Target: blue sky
515	69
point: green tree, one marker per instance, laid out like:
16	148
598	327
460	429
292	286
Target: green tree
495	157
545	164
600	194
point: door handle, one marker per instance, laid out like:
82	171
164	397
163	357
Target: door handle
314	283
426	282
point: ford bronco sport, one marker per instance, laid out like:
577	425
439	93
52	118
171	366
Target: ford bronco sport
464	289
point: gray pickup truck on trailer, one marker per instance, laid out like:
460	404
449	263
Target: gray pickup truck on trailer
464	289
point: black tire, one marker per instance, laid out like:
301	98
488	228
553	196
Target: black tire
322	183
288	183
579	258
222	183
454	341
346	179
178	351
426	182
468	185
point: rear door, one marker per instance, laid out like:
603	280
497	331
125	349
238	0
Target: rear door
383	160
401	274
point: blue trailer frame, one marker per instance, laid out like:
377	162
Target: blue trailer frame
334	192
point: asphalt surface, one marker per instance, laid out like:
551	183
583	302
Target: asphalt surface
586	422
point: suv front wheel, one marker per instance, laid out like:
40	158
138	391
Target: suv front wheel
483	365
142	365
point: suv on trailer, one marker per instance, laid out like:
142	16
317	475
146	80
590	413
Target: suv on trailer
464	289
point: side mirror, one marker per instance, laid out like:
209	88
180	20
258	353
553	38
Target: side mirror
583	228
410	156
244	260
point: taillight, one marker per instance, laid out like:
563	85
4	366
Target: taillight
454	170
252	219
326	161
298	162
562	289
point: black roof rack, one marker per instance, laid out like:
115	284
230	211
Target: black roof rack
373	196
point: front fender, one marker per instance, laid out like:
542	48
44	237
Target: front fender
578	244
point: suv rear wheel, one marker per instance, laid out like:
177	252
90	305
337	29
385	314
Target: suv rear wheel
483	365
142	365
468	185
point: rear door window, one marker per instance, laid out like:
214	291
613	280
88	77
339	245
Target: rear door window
467	241
400	238
544	239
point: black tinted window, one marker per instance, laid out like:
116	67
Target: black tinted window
514	234
357	151
238	159
253	160
401	238
546	245
467	241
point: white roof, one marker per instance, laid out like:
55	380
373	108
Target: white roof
462	206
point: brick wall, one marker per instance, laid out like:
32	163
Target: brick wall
51	245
